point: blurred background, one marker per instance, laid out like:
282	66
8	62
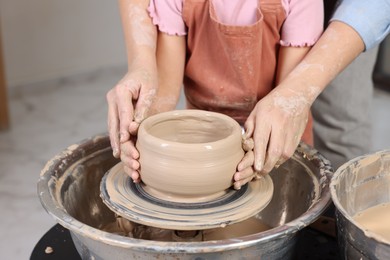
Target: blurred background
59	58
57	61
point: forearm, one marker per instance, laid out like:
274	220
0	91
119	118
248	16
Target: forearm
170	55
334	51
130	100
139	33
288	59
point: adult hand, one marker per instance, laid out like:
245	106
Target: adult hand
276	125
128	104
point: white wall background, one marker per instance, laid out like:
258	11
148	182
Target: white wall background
49	39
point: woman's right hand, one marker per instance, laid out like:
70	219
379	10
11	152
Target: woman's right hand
128	104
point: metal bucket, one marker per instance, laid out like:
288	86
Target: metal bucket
359	184
69	190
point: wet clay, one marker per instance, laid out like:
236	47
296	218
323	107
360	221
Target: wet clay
127	228
376	222
124	197
189	154
243	228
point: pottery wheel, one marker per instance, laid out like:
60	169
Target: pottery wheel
131	201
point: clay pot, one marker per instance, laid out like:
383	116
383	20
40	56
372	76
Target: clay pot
189	153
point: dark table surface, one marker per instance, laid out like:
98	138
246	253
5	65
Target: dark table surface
312	245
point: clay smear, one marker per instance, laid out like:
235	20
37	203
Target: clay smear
376	222
142	32
127	228
244	228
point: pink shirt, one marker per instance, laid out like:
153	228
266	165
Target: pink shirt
302	27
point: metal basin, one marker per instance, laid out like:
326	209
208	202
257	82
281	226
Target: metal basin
69	190
359	184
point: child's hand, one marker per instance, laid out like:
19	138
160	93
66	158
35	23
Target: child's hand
245	172
129	156
128	104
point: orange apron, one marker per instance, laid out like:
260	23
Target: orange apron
230	68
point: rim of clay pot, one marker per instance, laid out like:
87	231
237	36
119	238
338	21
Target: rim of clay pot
101	143
146	136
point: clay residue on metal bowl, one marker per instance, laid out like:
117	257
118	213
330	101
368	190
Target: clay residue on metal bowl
362	185
85	215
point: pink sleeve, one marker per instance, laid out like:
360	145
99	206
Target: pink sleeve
167	15
304	23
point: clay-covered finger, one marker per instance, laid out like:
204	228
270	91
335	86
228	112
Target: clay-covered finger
142	107
275	149
128	149
113	125
130	162
125	110
245	173
134	175
247	161
238	184
248	144
249	126
261	137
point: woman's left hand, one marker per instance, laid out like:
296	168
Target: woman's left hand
276	125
